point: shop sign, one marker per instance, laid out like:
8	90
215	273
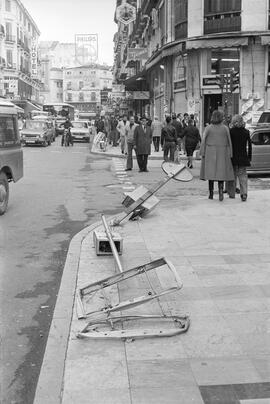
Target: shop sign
125	13
34	59
178	85
210	80
86	48
137	53
138	95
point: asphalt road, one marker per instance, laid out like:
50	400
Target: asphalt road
63	190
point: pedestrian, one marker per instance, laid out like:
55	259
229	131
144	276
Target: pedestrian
185	120
216	152
130	142
241	156
192	137
179	130
156	131
142	143
114	132
168	140
121	127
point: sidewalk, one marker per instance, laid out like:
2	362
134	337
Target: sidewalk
221	253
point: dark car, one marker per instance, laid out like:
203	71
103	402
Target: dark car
260	139
37	132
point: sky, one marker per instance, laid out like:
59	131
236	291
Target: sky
60	20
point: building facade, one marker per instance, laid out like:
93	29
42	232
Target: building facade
189	51
19	61
84	86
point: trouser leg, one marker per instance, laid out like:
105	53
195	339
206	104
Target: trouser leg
145	160
140	161
243	180
129	156
165	151
122	144
172	150
220	190
211	189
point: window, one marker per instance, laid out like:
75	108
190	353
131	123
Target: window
225	60
222	16
81	96
261	138
181	14
162	24
81	84
69	85
8	131
8	29
8	5
93	84
9	58
69	97
93	96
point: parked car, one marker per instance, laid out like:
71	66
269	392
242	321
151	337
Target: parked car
80	131
260	139
37	132
50	122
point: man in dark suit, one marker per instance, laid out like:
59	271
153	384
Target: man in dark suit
142	143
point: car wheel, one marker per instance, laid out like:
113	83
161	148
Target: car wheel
4	193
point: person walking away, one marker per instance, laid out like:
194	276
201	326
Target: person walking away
142	143
192	137
241	156
168	140
114	133
121	127
216	152
130	142
179	130
156	131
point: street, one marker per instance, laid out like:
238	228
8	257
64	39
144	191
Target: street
63	190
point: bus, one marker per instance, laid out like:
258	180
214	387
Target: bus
11	154
60	109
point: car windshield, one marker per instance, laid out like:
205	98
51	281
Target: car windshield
34	125
79	125
264	118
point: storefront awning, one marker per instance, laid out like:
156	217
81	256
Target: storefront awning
217	43
168	51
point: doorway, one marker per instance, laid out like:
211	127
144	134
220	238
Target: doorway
211	102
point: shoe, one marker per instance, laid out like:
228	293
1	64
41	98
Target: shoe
140	171
220	193
128	169
237	190
211	195
191	166
146	171
231	196
244	198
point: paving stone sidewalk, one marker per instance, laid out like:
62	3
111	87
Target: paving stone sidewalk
221	253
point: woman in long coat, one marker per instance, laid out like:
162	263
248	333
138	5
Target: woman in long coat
216	153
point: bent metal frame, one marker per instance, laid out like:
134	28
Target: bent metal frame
94	327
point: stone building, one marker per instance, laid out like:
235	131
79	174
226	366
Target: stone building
19	62
82	86
190	50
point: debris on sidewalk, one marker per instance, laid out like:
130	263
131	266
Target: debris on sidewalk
142	201
101	296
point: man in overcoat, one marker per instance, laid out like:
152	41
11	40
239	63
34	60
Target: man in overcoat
142	143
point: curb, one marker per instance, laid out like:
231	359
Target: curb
50	381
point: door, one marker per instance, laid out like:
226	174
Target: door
260	150
211	102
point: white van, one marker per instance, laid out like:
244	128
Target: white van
11	154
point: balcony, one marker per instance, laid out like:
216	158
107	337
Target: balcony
10	38
222	23
2	31
10	66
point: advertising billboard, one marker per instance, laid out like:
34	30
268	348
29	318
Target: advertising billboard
86	46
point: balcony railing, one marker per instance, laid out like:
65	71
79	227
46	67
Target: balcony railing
10	66
10	38
222	23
